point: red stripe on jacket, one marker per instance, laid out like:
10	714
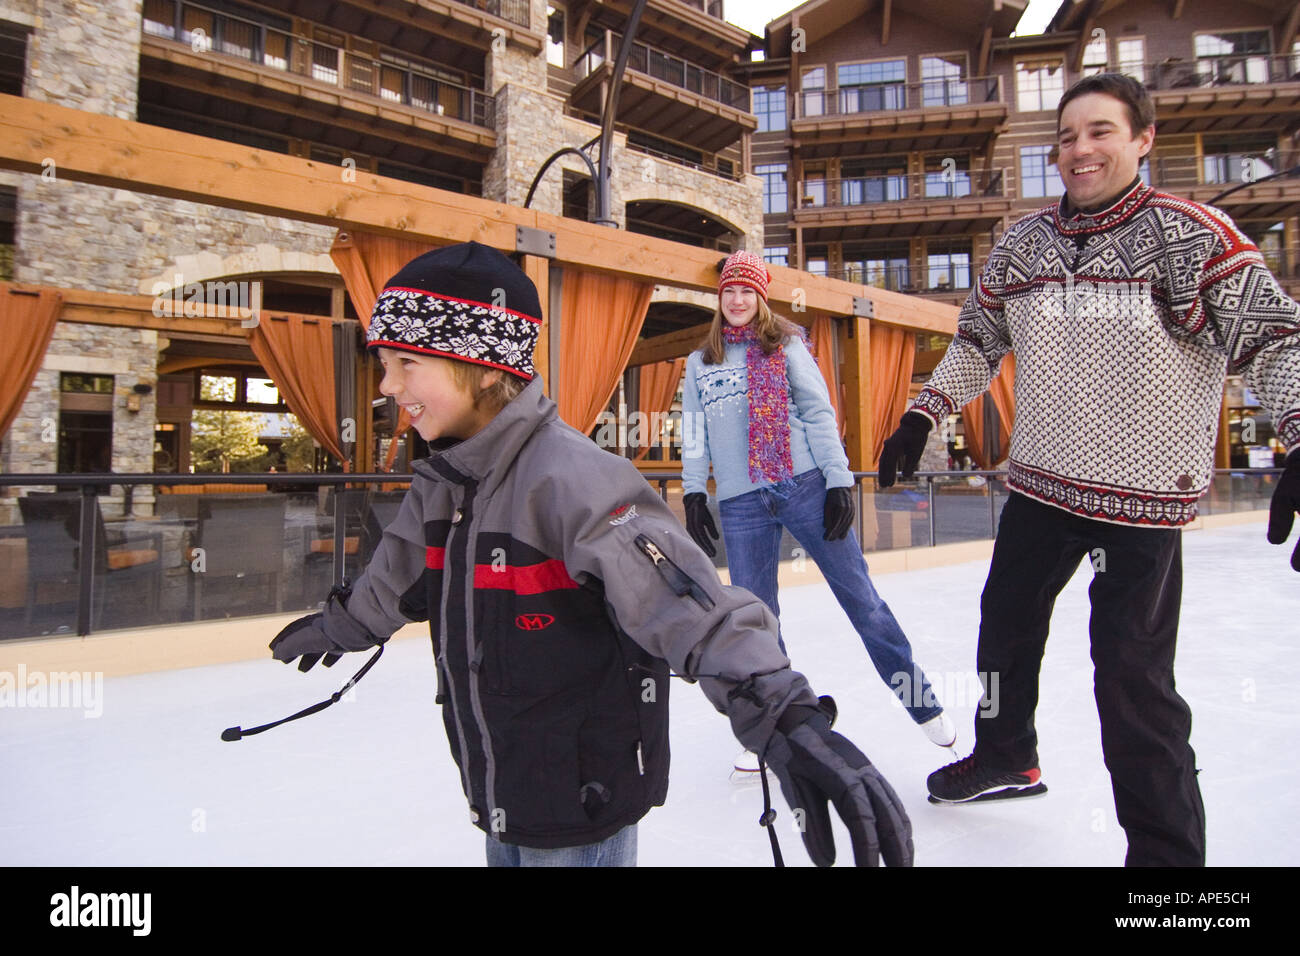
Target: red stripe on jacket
530	579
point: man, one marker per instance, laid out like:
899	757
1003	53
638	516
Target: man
1125	308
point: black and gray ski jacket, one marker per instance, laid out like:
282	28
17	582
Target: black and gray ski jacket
559	589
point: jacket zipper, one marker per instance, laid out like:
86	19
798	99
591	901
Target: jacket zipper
681	583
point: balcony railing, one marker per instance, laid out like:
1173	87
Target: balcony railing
723	169
712	7
897	187
1237	70
663	66
904	278
1223	169
516	11
207	31
943	93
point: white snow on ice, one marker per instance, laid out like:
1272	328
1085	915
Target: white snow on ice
371	781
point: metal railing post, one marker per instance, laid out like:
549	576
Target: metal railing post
340	533
993	523
858	483
929	484
86	560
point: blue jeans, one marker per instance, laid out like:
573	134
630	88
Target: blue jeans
618	850
751	529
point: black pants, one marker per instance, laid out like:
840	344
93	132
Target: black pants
1145	726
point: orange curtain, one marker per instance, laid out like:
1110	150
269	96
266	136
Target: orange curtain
821	344
26	324
659	382
601	318
1002	391
893	352
366	262
298	354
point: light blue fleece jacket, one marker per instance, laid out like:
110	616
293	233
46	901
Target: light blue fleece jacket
715	422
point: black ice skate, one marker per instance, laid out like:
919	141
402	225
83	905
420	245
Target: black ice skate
968	781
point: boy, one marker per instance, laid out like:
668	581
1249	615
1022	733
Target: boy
559	590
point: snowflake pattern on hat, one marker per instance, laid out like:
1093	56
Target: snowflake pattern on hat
469	331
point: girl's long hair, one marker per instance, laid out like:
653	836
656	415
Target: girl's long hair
771	328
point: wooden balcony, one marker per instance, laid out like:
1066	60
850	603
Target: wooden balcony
664	95
1206	179
887	206
312	84
900	117
1224	94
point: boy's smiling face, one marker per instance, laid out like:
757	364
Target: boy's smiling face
423	385
1099	152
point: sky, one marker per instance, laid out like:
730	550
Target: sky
753	15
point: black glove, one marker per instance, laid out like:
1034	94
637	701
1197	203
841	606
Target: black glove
1285	504
814	765
330	632
907	442
699	522
837	518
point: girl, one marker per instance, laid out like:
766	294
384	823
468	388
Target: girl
762	416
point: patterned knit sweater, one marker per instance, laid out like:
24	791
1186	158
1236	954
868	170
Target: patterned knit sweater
715	422
1124	323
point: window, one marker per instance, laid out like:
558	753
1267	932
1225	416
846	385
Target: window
159	18
775	191
870	87
1130	57
814	185
1239	56
1094	56
813	91
885	267
1144	170
85	423
769	107
943	80
555	36
947	176
13	58
777	255
1270	238
880	179
1238	159
1038	175
1039	84
817	265
947	265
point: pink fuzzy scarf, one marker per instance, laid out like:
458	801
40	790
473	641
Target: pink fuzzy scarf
769	414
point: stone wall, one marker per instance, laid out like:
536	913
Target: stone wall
131	357
86	55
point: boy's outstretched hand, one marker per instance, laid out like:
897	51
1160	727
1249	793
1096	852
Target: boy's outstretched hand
816	765
1286	502
332	632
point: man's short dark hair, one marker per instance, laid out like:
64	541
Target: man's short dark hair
1134	96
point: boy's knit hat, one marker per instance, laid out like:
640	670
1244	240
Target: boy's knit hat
745	268
466	302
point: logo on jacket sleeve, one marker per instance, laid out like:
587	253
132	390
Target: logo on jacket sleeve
534	622
622	514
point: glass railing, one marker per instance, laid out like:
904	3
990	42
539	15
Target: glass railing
944	184
942	93
209	31
1223	169
211	547
659	65
1236	70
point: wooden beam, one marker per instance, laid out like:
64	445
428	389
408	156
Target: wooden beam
1178	9
1289	29
1085	37
884	23
986	44
88	147
669	346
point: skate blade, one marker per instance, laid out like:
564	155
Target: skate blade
745	776
1036	790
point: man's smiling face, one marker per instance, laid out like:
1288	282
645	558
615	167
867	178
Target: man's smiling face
1099	153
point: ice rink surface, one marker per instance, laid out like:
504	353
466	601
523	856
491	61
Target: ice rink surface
371	782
